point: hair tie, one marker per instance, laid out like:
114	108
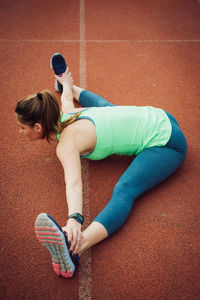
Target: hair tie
39	95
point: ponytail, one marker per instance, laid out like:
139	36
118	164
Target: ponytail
42	108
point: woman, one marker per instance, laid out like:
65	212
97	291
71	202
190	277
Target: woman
95	132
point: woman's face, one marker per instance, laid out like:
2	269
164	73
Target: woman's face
32	133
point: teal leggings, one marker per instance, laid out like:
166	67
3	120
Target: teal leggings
149	168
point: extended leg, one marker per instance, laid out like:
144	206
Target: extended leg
148	169
88	99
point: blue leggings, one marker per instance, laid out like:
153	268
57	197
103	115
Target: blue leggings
149	168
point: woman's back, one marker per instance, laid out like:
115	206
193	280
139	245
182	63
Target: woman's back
125	130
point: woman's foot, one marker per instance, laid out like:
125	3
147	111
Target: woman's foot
51	235
59	66
65	80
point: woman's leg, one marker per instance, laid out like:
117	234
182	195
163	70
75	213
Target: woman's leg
88	99
76	91
92	235
149	168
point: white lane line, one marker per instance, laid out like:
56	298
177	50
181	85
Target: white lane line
83	79
85	273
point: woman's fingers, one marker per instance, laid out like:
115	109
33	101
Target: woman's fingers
65	79
69	236
78	245
75	241
73	229
64	74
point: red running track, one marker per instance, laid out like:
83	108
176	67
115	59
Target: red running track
133	53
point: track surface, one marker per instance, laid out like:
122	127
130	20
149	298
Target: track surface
133	53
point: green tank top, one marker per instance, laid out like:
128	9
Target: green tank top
125	130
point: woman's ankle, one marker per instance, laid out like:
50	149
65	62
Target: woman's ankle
84	246
92	235
76	90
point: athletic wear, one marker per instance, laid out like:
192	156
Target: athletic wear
126	130
154	136
149	168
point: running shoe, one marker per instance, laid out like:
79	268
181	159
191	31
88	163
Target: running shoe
51	235
59	66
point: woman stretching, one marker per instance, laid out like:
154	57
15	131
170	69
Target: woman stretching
97	130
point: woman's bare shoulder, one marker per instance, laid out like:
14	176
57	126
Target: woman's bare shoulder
80	135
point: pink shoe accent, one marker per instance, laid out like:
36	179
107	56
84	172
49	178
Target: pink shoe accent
68	274
42	241
50	242
56	268
49	238
53	238
45	228
47	233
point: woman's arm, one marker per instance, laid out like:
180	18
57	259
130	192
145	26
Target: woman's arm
67	95
69	156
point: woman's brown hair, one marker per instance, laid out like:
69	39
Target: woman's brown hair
42	108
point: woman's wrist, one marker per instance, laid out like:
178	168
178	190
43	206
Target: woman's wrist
77	216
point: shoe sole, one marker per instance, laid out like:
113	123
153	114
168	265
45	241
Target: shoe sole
50	236
58	86
51	65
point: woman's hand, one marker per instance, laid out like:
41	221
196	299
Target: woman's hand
65	79
73	229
